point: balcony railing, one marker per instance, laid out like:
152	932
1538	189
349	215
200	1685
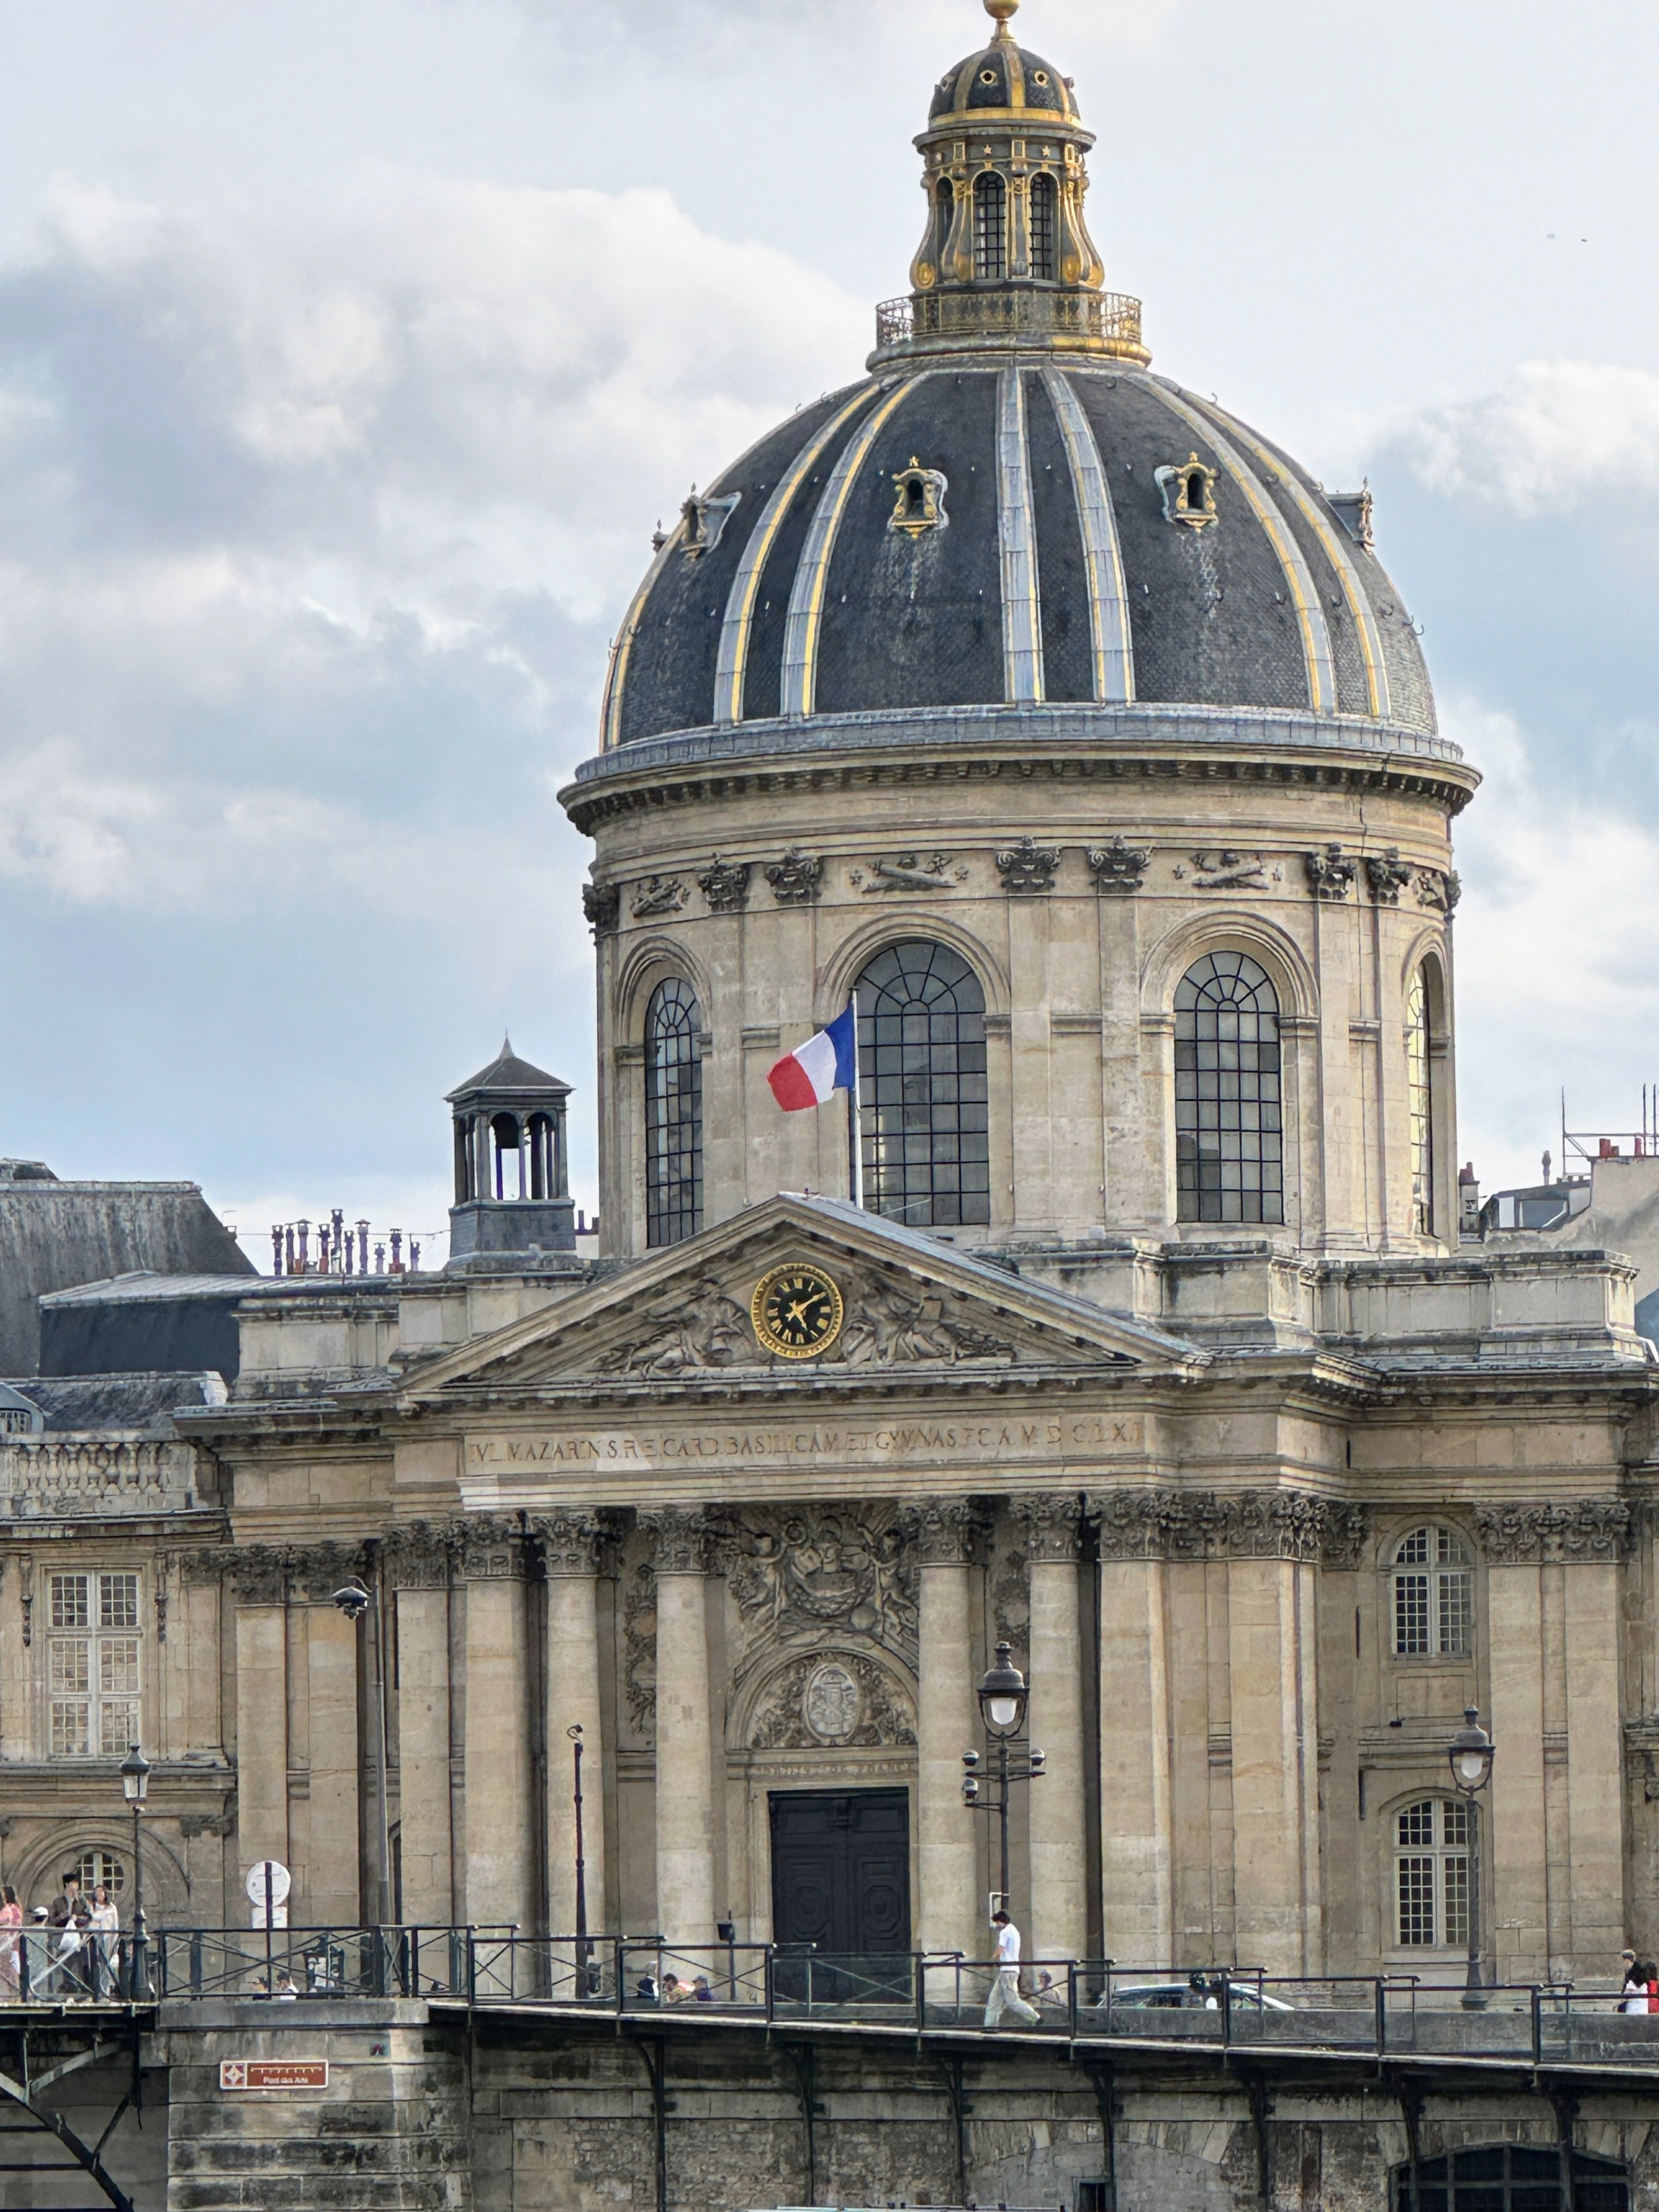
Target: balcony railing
1108	320
1077	2001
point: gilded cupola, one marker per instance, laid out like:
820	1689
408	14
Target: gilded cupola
1007	256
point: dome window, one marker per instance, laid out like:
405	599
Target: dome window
990	228
1039	77
704	520
1042	227
987	76
1189	492
920	503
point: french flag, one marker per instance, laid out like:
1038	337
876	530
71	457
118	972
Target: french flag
826	1063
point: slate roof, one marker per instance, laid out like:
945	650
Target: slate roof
81	1402
1276	606
506	1071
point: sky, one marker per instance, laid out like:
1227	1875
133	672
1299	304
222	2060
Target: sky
348	357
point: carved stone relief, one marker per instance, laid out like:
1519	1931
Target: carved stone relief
725	885
907	872
1053	1522
888	1329
831	1697
602	903
796	880
1229	871
680	1538
1028	867
418	1554
640	1649
807	1575
569	1543
1438	889
709	1330
1388	875
1121	867
659	894
1246	1524
945	1531
1594	1528
1330	876
491	1548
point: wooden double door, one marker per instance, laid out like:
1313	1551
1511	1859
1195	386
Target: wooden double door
841	1892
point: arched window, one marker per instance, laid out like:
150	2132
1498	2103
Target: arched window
673	1113
921	1080
1514	2177
1229	1140
990	226
1433	1596
1431	1874
1042	226
507	1149
947	203
1419	1093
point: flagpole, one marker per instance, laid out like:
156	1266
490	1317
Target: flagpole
855	1129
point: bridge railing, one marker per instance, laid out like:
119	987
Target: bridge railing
1080	2001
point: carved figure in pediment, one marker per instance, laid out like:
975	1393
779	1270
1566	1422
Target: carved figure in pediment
824	1698
819	1572
708	1330
889	1329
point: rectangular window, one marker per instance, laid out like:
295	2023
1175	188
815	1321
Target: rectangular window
1410	1614
94	1666
1416	1878
1456	1873
1457	1613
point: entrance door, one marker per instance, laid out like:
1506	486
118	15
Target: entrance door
841	1884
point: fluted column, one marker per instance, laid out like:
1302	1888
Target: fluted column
571	1554
500	1880
947	1725
258	1577
417	1559
685	1766
1058	1899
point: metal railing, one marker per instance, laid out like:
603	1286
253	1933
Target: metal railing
1111	320
1083	2001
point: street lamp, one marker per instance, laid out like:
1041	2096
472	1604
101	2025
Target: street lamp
1003	1697
357	1601
135	1782
584	1949
1470	1756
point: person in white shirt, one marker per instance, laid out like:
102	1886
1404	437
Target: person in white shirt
104	1941
1005	1986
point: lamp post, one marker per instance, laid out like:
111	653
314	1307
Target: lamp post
1004	1696
1470	1756
583	1948
135	1781
358	1602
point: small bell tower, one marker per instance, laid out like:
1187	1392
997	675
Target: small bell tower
511	1181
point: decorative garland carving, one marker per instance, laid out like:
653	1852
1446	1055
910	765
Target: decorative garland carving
1028	867
1246	1524
831	1697
640	1649
725	885
1121	867
1522	1535
819	1573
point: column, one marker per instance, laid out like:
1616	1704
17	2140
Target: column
1135	1813
570	1552
1058	1900
1515	1890
500	1882
331	1645
258	1578
1595	1760
417	1562
1270	1661
947	1725
685	1767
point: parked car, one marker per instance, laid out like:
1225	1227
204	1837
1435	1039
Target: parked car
1197	1993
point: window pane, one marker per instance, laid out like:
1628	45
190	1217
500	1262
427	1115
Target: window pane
1416	1892
673	1115
1454	1815
118	1601
69	1668
1416	1824
69	1601
69	1724
1414	1548
1457	1613
1410	1613
990	227
102	1870
922	1088
118	1727
117	1666
1457	1898
1227	1146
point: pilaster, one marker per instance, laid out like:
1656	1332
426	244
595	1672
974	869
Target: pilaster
686	1768
945	1532
418	1567
1053	1522
570	1556
500	1878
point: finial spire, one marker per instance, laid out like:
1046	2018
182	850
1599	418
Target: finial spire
999	10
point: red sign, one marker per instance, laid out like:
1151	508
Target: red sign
273	2073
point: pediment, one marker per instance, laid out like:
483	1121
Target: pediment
912	1305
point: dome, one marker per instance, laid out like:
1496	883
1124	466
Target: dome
1002	76
1014	527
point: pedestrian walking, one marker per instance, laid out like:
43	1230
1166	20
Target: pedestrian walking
11	1920
67	1919
1005	1986
104	1942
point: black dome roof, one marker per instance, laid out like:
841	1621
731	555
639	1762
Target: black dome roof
1003	75
1100	536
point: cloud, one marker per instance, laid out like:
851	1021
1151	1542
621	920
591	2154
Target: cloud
1554	435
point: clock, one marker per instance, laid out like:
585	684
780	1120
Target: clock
796	1310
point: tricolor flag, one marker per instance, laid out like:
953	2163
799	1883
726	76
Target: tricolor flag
826	1063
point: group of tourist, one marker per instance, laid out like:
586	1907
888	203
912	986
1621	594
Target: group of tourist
70	1948
1641	1990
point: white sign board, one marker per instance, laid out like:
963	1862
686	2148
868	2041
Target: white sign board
268	1885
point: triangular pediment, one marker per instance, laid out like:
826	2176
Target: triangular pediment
909	1304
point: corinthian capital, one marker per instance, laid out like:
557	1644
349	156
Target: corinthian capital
1053	1520
1520	1536
569	1541
491	1548
943	1531
680	1537
258	1573
418	1554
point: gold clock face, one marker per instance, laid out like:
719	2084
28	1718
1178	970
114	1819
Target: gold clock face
796	1310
